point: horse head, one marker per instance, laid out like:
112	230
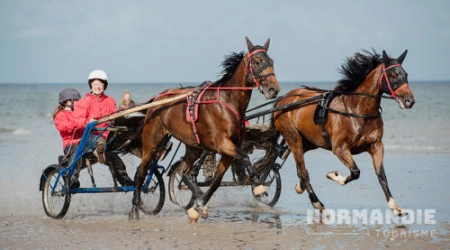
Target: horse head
260	72
394	81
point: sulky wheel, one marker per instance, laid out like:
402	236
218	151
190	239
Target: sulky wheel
55	192
153	193
179	192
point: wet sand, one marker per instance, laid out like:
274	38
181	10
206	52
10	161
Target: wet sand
170	231
236	221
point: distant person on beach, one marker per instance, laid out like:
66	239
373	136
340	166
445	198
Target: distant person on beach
126	102
93	106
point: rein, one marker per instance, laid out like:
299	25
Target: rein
287	106
347	113
194	100
312	99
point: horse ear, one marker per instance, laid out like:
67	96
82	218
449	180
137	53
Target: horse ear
249	44
386	58
266	45
402	57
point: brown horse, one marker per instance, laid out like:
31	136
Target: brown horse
346	120
211	118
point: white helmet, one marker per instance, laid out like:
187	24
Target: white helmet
98	74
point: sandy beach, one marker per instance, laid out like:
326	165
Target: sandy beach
236	221
107	231
416	162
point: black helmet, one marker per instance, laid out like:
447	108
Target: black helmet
68	94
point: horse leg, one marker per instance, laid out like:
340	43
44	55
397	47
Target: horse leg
229	148
296	145
193	214
223	165
346	158
259	190
152	135
191	158
305	184
140	177
377	152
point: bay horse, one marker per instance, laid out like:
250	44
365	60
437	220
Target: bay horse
211	118
351	121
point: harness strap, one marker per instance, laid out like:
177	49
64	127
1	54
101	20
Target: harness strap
325	135
191	114
193	101
321	114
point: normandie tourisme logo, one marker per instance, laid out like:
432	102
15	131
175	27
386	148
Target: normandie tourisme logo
370	217
378	217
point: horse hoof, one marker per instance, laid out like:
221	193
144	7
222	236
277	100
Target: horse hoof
299	189
337	177
193	215
192	221
399	212
205	213
133	214
260	191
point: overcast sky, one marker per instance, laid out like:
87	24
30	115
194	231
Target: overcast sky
186	41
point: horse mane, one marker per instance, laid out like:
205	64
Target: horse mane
356	69
230	64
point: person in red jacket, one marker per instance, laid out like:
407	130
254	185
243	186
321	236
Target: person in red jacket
93	106
65	121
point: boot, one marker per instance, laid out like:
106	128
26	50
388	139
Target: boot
74	182
120	173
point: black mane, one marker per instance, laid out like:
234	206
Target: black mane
230	64
356	69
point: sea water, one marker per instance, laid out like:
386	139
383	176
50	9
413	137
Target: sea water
417	152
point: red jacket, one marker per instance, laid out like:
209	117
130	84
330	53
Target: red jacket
92	106
67	126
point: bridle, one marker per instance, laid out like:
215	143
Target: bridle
253	73
256	73
386	86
